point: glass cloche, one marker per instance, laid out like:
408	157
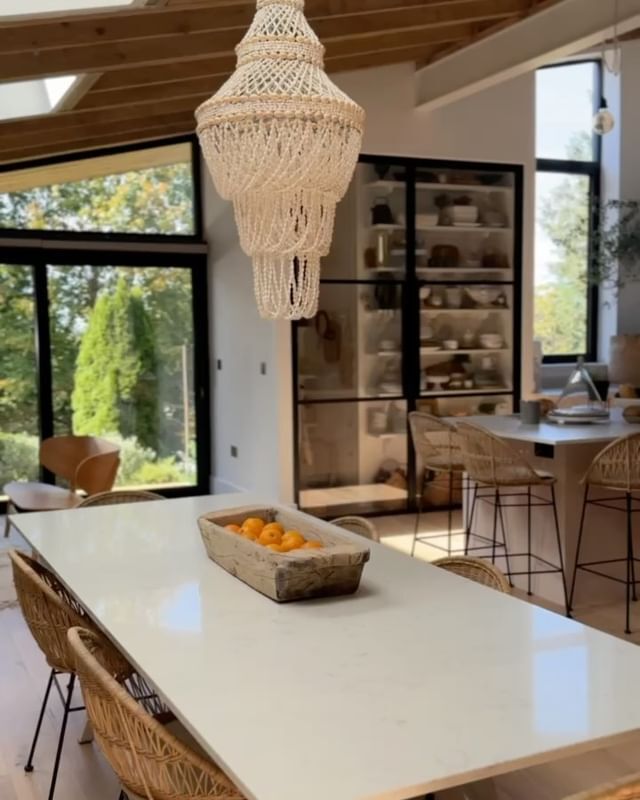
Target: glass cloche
580	400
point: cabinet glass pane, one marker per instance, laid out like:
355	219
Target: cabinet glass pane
353	347
353	456
369	239
122	366
19	444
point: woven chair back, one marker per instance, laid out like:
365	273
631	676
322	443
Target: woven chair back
475	570
48	609
85	462
435	443
617	466
358	525
115	498
491	461
149	760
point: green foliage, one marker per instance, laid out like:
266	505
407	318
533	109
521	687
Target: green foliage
154	200
561	303
114	388
616	260
19	457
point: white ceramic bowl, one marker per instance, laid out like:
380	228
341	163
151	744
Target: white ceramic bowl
484	295
427	220
464	213
491	341
450	344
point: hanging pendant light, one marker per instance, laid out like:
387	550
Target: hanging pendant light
604	121
281	142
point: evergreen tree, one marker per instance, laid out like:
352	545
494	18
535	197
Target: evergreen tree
114	382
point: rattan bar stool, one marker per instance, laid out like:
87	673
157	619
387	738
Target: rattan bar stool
616	468
495	467
118	497
134	730
49	611
477	570
359	525
437	451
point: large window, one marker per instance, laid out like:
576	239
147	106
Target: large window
567	189
108	337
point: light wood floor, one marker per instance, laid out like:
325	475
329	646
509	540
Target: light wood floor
84	774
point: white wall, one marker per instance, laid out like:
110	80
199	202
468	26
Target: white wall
254	412
629	133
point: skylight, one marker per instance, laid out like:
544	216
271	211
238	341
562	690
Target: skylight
31	98
23	8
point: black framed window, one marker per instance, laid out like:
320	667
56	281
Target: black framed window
567	197
108	336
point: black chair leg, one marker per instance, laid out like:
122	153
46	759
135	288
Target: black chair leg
122	795
28	767
63	730
578	547
560	555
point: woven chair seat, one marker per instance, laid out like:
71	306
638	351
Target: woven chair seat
624	789
475	570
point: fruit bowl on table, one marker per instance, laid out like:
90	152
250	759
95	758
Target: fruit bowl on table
235	540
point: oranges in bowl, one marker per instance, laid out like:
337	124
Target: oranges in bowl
273	536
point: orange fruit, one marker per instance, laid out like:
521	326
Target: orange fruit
275	526
253	523
249	535
292	540
272	536
233	528
277	548
312	545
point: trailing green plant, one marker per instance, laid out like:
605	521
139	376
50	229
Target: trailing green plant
615	259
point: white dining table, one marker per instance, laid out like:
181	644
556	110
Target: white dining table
566	451
420	681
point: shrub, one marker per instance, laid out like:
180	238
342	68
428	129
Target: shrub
19	457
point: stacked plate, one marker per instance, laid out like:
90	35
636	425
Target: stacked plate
578	415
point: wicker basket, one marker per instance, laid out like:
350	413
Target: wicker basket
333	570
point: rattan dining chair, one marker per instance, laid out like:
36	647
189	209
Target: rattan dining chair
496	468
616	468
437	453
358	525
119	497
624	789
132	727
49	611
477	570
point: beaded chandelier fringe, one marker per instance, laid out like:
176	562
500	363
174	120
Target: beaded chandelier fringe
281	142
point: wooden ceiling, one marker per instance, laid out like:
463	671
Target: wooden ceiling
152	66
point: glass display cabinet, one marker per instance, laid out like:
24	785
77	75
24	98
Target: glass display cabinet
419	309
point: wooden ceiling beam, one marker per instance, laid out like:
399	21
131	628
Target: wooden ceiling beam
337	49
94	55
143	23
106	139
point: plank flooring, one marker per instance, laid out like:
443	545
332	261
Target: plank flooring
85	775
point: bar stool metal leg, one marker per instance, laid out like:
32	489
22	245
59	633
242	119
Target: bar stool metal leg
529	592
629	564
416	529
504	541
495	525
578	547
470	519
560	554
450	514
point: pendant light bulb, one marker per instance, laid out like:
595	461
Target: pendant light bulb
604	121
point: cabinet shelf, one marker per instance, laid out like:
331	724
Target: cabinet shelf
461	351
466	392
463	228
442	310
481	188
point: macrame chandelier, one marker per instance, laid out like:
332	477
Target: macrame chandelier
281	142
